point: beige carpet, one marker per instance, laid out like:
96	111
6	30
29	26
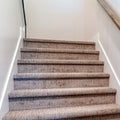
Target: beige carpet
61	80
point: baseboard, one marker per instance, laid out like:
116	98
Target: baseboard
114	79
8	86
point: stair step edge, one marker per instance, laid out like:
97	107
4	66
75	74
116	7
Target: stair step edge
61	92
60	75
67	62
49	50
59	41
61	113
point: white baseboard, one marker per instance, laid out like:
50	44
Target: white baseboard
8	86
114	79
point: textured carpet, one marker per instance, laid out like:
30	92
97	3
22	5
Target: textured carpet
61	80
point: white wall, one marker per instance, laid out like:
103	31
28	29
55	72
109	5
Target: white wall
109	36
10	22
61	19
115	4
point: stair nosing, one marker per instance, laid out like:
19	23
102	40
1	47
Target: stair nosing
59	75
49	50
24	93
67	112
59	41
60	62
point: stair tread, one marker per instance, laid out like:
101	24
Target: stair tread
51	50
61	113
59	41
55	61
60	92
60	75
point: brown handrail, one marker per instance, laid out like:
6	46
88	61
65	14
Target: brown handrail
24	15
113	15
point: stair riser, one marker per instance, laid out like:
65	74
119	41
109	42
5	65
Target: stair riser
35	68
65	101
66	56
97	117
60	83
59	45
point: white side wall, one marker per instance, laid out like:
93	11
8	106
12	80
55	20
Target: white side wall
61	19
10	22
110	37
110	40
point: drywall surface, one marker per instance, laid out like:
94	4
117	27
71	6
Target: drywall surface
61	19
10	22
109	36
115	5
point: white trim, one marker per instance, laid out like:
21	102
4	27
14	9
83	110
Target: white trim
11	67
114	81
108	60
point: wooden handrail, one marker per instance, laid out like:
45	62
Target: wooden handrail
111	12
24	15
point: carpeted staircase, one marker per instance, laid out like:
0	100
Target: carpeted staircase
61	80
